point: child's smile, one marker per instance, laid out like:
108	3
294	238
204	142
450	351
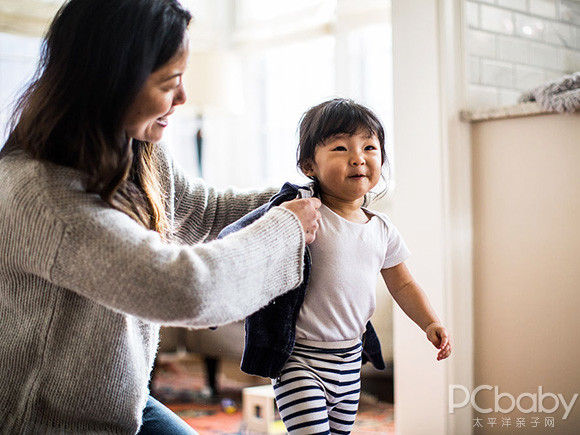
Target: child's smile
357	176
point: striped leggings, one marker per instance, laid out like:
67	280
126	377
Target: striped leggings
319	388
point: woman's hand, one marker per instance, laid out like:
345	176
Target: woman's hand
438	335
306	210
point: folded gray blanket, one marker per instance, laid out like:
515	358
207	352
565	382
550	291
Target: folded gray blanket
560	95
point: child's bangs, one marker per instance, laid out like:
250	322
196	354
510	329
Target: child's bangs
347	121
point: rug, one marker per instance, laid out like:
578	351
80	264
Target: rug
180	386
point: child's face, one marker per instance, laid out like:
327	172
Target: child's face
347	167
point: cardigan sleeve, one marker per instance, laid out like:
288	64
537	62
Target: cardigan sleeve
106	256
200	211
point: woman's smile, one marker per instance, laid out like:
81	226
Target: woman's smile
163	90
164	120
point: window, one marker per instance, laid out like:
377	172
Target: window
289	57
292	55
18	60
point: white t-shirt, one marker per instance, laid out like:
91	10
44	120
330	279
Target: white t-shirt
346	260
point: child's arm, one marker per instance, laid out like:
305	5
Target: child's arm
414	302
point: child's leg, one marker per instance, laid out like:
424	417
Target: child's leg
343	406
320	388
342	416
301	402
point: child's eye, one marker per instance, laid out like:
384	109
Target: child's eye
370	147
339	148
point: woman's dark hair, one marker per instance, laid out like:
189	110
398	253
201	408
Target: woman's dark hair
336	116
95	58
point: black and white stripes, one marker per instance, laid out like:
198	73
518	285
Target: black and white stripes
319	388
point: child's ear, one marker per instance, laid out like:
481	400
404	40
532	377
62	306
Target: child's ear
308	168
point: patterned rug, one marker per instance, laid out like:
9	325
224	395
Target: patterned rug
179	384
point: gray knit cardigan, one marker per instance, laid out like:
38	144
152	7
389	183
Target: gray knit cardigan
84	288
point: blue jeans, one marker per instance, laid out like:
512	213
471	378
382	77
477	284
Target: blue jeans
160	420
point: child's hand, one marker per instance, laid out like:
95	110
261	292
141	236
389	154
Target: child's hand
438	335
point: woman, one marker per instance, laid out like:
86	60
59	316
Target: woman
102	235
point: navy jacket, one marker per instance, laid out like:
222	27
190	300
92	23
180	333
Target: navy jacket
270	332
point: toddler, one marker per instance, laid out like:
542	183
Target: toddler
313	340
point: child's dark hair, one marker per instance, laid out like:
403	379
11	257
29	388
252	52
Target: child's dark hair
336	116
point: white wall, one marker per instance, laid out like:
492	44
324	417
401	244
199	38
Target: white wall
417	209
432	208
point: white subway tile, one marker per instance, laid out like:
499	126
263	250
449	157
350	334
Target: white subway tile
481	97
558	34
481	43
472	14
499	74
512	49
508	98
516	45
544	8
575	37
474	70
550	76
570	11
529	27
545	56
520	5
528	77
571	61
496	20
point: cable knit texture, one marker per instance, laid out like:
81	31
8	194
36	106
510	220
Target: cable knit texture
560	95
84	288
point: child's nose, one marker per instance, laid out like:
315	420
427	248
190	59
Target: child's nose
357	160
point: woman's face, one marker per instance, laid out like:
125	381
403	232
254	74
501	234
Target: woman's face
149	113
